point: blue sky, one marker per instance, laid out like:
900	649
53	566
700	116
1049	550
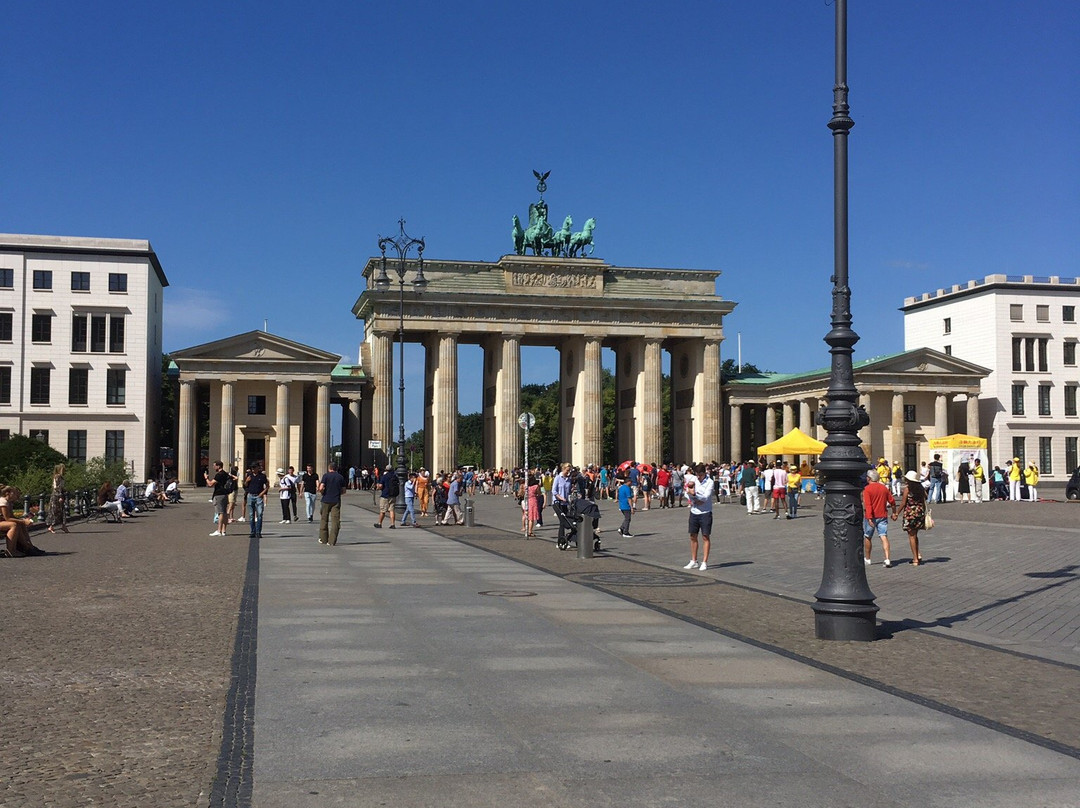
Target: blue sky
263	147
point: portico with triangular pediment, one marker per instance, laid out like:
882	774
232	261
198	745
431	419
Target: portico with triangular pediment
268	402
911	397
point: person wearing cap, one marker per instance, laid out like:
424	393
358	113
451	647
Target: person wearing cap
1015	472
913	509
883	470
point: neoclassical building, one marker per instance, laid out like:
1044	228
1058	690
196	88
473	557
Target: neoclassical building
267	400
910	397
579	306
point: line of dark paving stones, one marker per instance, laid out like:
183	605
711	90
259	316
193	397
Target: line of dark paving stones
1026	696
115	661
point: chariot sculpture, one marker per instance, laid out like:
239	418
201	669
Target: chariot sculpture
543	239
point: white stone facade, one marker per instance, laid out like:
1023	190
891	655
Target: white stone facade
80	345
1025	330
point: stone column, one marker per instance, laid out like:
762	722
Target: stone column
508	446
866	435
770	423
789	424
897	429
804	417
185	454
712	444
446	404
382	398
973	414
941	415
228	425
651	441
571	370
590	414
322	427
280	455
350	449
736	433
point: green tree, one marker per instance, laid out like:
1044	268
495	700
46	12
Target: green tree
170	407
729	369
471	439
25	454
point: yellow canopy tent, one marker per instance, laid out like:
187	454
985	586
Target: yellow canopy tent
958	441
956	449
795	442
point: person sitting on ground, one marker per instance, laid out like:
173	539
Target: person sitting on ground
16	531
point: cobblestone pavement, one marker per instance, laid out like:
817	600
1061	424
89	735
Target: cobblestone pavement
115	661
988	628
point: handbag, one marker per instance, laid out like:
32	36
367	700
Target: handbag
742	497
929	520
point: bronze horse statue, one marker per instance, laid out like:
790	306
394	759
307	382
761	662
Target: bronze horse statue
579	241
560	242
519	236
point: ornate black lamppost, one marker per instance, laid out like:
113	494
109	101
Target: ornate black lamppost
401	244
845	608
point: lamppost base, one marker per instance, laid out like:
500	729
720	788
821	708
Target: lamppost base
848	621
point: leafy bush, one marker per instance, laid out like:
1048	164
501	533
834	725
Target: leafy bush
22	453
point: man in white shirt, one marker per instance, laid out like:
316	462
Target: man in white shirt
698	488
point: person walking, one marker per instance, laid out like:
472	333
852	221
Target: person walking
331	486
560	503
625	495
453	500
257	487
935	469
779	490
699	491
978	477
1031	479
913	509
388	491
794	481
309	486
285	487
749	486
878	505
410	501
423	490
963	481
57	501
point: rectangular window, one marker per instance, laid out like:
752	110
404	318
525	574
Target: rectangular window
1044	363
5	434
1044	399
948	350
1042	313
1068	353
78	385
7	278
1017	354
115	380
256	405
1046	456
76	452
5	384
80	281
40	434
1016	312
114	445
1029	354
98	327
1071	459
1018	399
1018	448
5	326
39	385
947	325
43	279
78	333
41	328
117	281
909	415
1068	314
116	334
1070	399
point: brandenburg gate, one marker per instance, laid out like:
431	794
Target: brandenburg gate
577	305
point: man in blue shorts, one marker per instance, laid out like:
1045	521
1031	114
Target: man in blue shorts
698	489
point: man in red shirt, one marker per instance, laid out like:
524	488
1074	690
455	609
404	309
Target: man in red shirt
663	480
877	499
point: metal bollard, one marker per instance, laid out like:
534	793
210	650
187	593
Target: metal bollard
584	543
470	513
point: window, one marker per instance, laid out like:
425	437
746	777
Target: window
7	278
114	445
909	414
1042	313
1018	399
1068	352
97	333
78	385
39	385
5	326
40	434
1071	460
5	384
1016	312
948	350
1044	344
256	405
5	434
1070	399
1068	314
1046	456
42	279
78	333
1044	399
947	325
115	392
41	328
1018	448
117	281
1029	354
80	281
116	334
76	449
1017	353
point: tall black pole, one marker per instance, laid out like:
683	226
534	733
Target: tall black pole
845	608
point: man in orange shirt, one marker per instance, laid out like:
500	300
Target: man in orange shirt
877	499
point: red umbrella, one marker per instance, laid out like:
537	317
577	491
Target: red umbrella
645	467
623	466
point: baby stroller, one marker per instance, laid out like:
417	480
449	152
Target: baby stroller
570	518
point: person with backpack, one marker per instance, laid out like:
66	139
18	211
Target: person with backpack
937	494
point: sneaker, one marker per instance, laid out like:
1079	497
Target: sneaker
703	567
283	522
693	565
217	533
376	525
628	535
393	527
888	563
866	561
